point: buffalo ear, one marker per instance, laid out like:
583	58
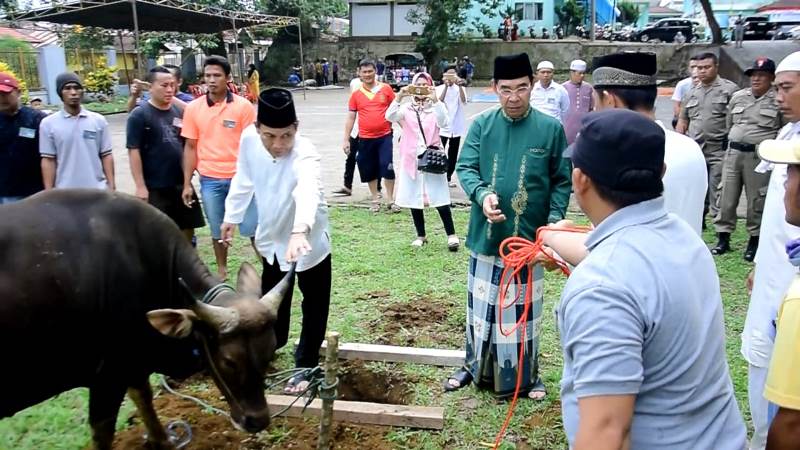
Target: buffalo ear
248	281
175	323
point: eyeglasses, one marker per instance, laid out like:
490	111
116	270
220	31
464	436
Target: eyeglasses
520	91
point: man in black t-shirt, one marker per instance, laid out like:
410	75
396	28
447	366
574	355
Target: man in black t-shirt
155	148
20	164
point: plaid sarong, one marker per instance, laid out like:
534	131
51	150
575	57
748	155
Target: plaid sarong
491	357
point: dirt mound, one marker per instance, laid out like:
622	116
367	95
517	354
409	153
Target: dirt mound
215	432
421	322
359	383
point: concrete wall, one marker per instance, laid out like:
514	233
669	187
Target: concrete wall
672	59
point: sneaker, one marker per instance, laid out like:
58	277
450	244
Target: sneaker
452	184
453	243
344	192
419	242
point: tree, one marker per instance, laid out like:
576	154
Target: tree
629	13
442	21
570	15
713	25
87	38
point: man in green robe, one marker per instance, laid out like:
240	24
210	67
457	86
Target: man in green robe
512	169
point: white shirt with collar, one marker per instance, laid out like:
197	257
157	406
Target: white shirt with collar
553	100
289	193
686	179
773	272
456	126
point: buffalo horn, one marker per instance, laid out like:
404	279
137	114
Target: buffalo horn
272	299
223	319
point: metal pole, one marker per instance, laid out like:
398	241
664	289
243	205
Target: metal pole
124	57
592	16
140	72
302	61
328	392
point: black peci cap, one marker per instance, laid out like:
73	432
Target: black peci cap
613	142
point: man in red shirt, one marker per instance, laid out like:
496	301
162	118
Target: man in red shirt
374	157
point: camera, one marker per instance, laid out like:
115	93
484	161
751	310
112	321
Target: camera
420	90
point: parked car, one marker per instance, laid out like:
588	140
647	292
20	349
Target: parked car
401	68
782	31
756	27
665	30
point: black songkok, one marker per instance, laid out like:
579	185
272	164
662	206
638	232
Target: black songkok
511	67
276	108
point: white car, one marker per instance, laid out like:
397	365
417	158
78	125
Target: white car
794	33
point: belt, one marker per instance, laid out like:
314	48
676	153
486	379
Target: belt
742	147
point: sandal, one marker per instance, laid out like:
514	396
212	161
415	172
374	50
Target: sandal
375	206
394	209
453	243
463	377
296	384
419	242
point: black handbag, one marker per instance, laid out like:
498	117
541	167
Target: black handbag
433	159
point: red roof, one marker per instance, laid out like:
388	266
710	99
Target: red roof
10	32
780	5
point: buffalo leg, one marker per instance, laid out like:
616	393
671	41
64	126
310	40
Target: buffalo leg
142	396
104	403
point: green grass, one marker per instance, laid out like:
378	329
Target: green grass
371	254
117	104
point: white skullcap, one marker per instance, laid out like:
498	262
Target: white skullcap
578	65
789	64
545	65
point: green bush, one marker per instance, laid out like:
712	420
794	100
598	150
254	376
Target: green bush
102	79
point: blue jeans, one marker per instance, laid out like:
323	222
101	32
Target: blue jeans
213	192
9	200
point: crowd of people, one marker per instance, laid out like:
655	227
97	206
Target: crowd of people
641	328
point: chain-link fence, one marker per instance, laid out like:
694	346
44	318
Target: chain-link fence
24	65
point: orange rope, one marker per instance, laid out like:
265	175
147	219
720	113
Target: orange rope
517	254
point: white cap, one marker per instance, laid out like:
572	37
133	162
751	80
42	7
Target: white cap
578	65
789	64
545	65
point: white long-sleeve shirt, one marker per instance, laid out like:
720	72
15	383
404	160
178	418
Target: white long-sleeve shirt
288	193
553	100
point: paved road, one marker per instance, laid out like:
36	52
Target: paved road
322	117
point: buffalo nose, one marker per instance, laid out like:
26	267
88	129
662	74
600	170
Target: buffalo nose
254	423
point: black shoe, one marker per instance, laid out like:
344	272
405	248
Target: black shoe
723	244
750	251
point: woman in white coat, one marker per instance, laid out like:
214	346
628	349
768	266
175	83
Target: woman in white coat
417	189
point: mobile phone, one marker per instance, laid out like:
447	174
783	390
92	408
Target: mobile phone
450	77
420	90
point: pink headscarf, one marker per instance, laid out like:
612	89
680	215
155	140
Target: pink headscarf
422	75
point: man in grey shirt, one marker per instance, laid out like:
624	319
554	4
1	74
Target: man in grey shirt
75	143
640	318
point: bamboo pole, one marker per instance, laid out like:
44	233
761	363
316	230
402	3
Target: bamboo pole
328	392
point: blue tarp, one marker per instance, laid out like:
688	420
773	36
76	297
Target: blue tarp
605	10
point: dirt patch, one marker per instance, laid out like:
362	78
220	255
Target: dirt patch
215	432
359	383
420	322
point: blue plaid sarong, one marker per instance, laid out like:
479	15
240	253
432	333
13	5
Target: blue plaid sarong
491	357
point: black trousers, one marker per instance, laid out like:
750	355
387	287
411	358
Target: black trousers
444	213
452	154
350	164
335	77
315	285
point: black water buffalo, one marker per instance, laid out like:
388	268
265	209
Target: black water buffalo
101	290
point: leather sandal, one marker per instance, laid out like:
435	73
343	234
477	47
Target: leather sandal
463	377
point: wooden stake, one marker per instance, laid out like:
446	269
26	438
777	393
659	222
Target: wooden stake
328	395
392	353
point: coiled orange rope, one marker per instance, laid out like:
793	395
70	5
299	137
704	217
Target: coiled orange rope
517	255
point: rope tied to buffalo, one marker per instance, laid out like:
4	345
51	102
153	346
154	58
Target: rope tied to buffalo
519	254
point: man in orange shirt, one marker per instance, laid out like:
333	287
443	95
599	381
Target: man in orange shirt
212	126
374	158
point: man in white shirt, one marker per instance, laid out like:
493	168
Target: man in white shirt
773	273
548	96
452	93
681	89
282	170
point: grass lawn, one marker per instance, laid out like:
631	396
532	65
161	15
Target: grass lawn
375	270
116	105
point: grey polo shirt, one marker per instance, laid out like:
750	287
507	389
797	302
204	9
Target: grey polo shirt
77	143
642	315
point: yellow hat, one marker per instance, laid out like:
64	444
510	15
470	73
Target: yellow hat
781	152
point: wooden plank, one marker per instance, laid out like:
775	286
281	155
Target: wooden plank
392	353
427	417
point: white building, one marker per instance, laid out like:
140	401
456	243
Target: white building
382	18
